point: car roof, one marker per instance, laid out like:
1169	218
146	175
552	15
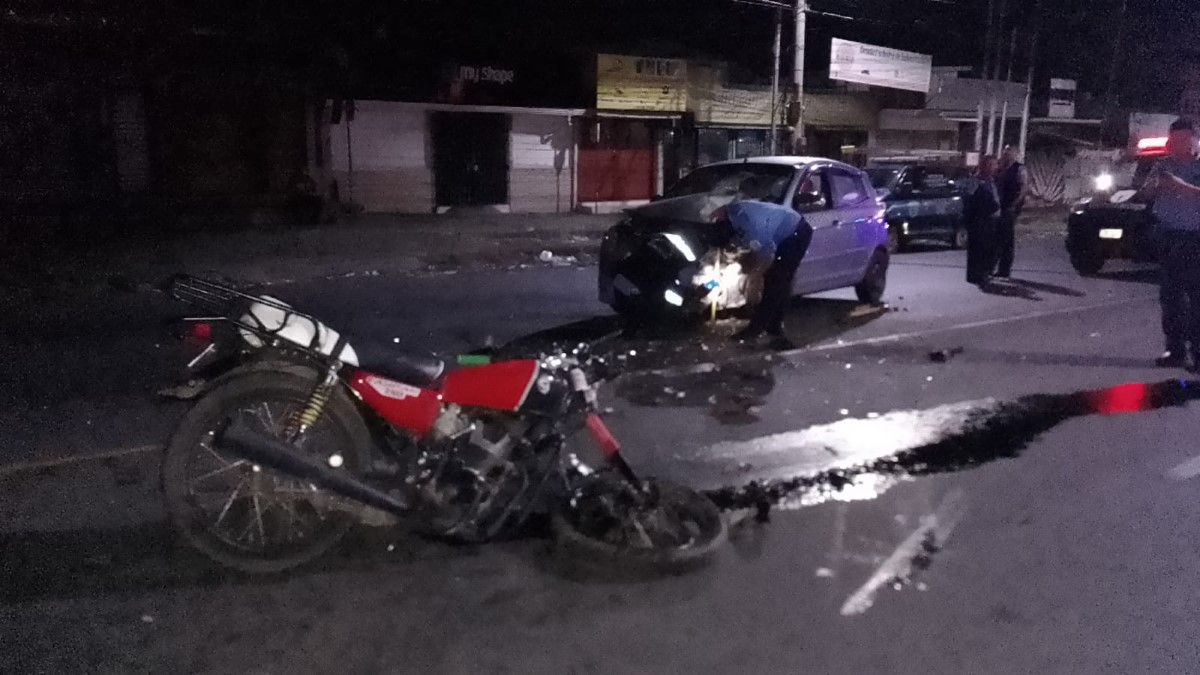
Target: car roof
787	160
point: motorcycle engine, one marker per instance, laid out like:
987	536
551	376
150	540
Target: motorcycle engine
466	472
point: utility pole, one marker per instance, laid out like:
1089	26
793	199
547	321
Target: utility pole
1110	94
775	78
1033	45
1012	56
798	141
997	46
983	76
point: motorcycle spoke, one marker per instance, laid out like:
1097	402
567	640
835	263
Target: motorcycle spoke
258	518
216	455
641	531
217	472
269	421
292	517
232	497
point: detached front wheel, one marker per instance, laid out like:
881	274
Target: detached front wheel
670	528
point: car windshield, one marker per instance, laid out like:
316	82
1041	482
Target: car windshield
883	179
764	182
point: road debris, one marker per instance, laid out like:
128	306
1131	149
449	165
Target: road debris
944	355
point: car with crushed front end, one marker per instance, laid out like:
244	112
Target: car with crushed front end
672	257
1116	221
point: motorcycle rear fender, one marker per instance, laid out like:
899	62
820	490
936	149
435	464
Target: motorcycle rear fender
235	368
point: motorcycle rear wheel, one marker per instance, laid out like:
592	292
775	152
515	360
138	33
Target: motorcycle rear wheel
680	531
247	517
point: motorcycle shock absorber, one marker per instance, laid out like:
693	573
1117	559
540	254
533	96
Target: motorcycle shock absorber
314	406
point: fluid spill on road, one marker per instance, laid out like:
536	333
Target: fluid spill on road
732	391
871	455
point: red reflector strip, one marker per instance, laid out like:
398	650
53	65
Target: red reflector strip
601	436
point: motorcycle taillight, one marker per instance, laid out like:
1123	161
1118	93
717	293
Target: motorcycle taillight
200	331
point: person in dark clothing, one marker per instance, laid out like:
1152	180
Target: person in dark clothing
1173	185
981	213
778	237
1011	186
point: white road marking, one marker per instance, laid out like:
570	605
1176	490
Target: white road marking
1186	470
961	326
78	459
898	565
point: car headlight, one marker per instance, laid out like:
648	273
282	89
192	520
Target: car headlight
681	245
1104	182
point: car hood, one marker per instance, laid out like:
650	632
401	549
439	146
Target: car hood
1118	198
689	216
690	208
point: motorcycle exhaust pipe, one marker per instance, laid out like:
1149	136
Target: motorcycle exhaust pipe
275	454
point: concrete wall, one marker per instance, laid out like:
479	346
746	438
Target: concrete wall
392	167
541	164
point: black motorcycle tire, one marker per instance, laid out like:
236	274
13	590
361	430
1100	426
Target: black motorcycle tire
257	386
601	554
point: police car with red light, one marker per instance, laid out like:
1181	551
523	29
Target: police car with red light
1115	222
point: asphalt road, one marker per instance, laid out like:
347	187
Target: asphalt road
1025	527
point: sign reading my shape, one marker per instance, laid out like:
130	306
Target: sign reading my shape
392	389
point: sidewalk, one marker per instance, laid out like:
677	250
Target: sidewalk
366	245
1046	222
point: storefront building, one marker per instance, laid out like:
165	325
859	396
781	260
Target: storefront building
482	140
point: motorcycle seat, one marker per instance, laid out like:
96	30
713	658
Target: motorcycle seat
384	359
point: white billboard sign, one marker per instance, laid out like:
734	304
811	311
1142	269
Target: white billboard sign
879	66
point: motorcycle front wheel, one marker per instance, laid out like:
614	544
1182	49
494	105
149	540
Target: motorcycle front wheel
245	516
606	522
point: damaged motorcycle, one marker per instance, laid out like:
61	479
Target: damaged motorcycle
295	434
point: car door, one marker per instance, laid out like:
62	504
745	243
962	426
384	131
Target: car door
855	208
937	194
818	265
905	208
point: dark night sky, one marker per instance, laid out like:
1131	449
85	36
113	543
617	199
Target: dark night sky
1078	35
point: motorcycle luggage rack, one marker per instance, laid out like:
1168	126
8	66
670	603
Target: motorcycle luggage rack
230	305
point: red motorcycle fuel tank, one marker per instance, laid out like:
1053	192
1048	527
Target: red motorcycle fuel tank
498	386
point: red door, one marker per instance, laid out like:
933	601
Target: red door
615	175
616	163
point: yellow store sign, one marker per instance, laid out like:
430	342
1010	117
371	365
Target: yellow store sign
640	83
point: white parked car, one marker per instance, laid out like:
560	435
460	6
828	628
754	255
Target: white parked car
670	255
